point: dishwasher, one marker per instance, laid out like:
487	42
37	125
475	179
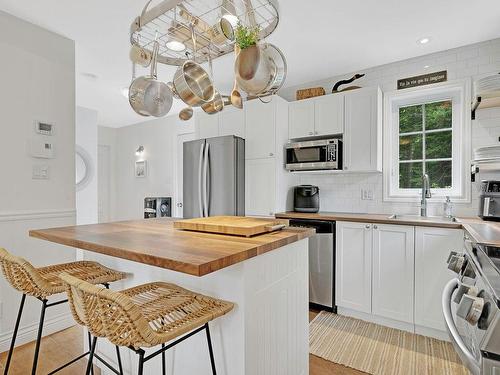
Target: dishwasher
321	263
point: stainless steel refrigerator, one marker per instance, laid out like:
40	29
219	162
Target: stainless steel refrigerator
214	177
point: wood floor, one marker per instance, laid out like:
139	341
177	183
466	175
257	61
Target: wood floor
63	346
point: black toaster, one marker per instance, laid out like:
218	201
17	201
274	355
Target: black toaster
306	198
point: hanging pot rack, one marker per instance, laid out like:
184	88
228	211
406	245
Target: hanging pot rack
172	20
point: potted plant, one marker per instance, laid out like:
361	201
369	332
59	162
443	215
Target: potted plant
247	50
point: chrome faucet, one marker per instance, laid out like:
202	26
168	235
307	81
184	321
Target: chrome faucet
426	193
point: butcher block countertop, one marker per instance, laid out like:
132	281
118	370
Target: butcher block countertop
155	242
483	232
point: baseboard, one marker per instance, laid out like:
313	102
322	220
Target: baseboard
28	333
404	326
432	332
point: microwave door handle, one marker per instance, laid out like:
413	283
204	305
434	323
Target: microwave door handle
206	181
200	179
464	353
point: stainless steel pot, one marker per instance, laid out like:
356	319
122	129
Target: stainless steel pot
147	95
192	83
270	72
216	105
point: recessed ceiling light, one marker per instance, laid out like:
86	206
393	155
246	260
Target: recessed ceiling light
125	92
424	40
427	66
175	46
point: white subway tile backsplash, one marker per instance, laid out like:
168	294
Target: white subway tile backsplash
343	192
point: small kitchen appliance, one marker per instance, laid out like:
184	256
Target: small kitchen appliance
471	306
489	200
157	207
314	155
306	198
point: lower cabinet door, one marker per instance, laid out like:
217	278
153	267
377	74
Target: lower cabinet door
393	271
353	266
432	248
260	192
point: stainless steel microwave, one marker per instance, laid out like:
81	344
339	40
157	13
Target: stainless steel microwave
314	155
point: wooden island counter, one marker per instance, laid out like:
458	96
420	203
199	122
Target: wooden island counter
266	276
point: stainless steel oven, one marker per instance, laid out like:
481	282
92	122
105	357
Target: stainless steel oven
314	155
471	307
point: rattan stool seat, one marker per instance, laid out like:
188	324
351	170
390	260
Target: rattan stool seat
145	315
44	282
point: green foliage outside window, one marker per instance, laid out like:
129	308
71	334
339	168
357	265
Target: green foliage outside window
425	134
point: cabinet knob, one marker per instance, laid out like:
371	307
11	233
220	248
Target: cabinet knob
311	133
346	167
179	205
375	227
271	154
315	132
367	226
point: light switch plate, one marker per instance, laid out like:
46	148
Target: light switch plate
366	194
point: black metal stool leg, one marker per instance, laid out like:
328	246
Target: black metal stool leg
163	362
14	335
141	362
119	358
91	356
39	337
210	349
90	348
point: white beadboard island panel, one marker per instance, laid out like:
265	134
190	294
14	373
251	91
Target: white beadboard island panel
267	333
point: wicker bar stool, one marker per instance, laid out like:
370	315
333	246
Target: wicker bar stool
144	316
44	282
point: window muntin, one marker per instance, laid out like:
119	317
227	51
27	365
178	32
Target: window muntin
425	144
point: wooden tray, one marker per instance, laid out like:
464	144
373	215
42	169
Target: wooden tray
232	225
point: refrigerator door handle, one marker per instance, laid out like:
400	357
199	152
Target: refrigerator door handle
200	166
206	191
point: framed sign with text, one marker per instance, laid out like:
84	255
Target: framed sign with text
422	80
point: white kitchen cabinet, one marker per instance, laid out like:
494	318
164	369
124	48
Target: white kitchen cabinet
301	119
393	269
432	248
363	130
353	282
260	187
232	122
320	116
329	115
207	126
260	134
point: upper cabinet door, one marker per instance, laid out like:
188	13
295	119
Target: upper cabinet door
353	276
207	126
301	119
260	129
393	271
432	248
232	122
329	114
363	130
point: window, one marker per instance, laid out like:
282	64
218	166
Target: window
425	134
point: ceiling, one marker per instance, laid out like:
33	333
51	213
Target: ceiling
320	38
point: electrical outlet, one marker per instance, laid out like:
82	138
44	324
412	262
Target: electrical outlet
366	194
40	172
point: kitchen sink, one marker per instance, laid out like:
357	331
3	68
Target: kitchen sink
423	218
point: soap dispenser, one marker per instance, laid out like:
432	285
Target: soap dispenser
448	207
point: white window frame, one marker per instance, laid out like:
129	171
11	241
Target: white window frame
460	93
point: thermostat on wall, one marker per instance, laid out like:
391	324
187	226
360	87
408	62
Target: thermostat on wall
44	128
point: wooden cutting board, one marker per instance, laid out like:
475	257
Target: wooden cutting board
232	225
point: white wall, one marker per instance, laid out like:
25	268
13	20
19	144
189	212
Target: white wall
86	139
159	140
37	71
343	192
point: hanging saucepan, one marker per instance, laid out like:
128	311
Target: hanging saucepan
147	95
192	83
270	73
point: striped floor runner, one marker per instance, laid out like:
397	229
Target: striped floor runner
379	350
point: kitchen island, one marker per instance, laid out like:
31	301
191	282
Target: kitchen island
266	276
